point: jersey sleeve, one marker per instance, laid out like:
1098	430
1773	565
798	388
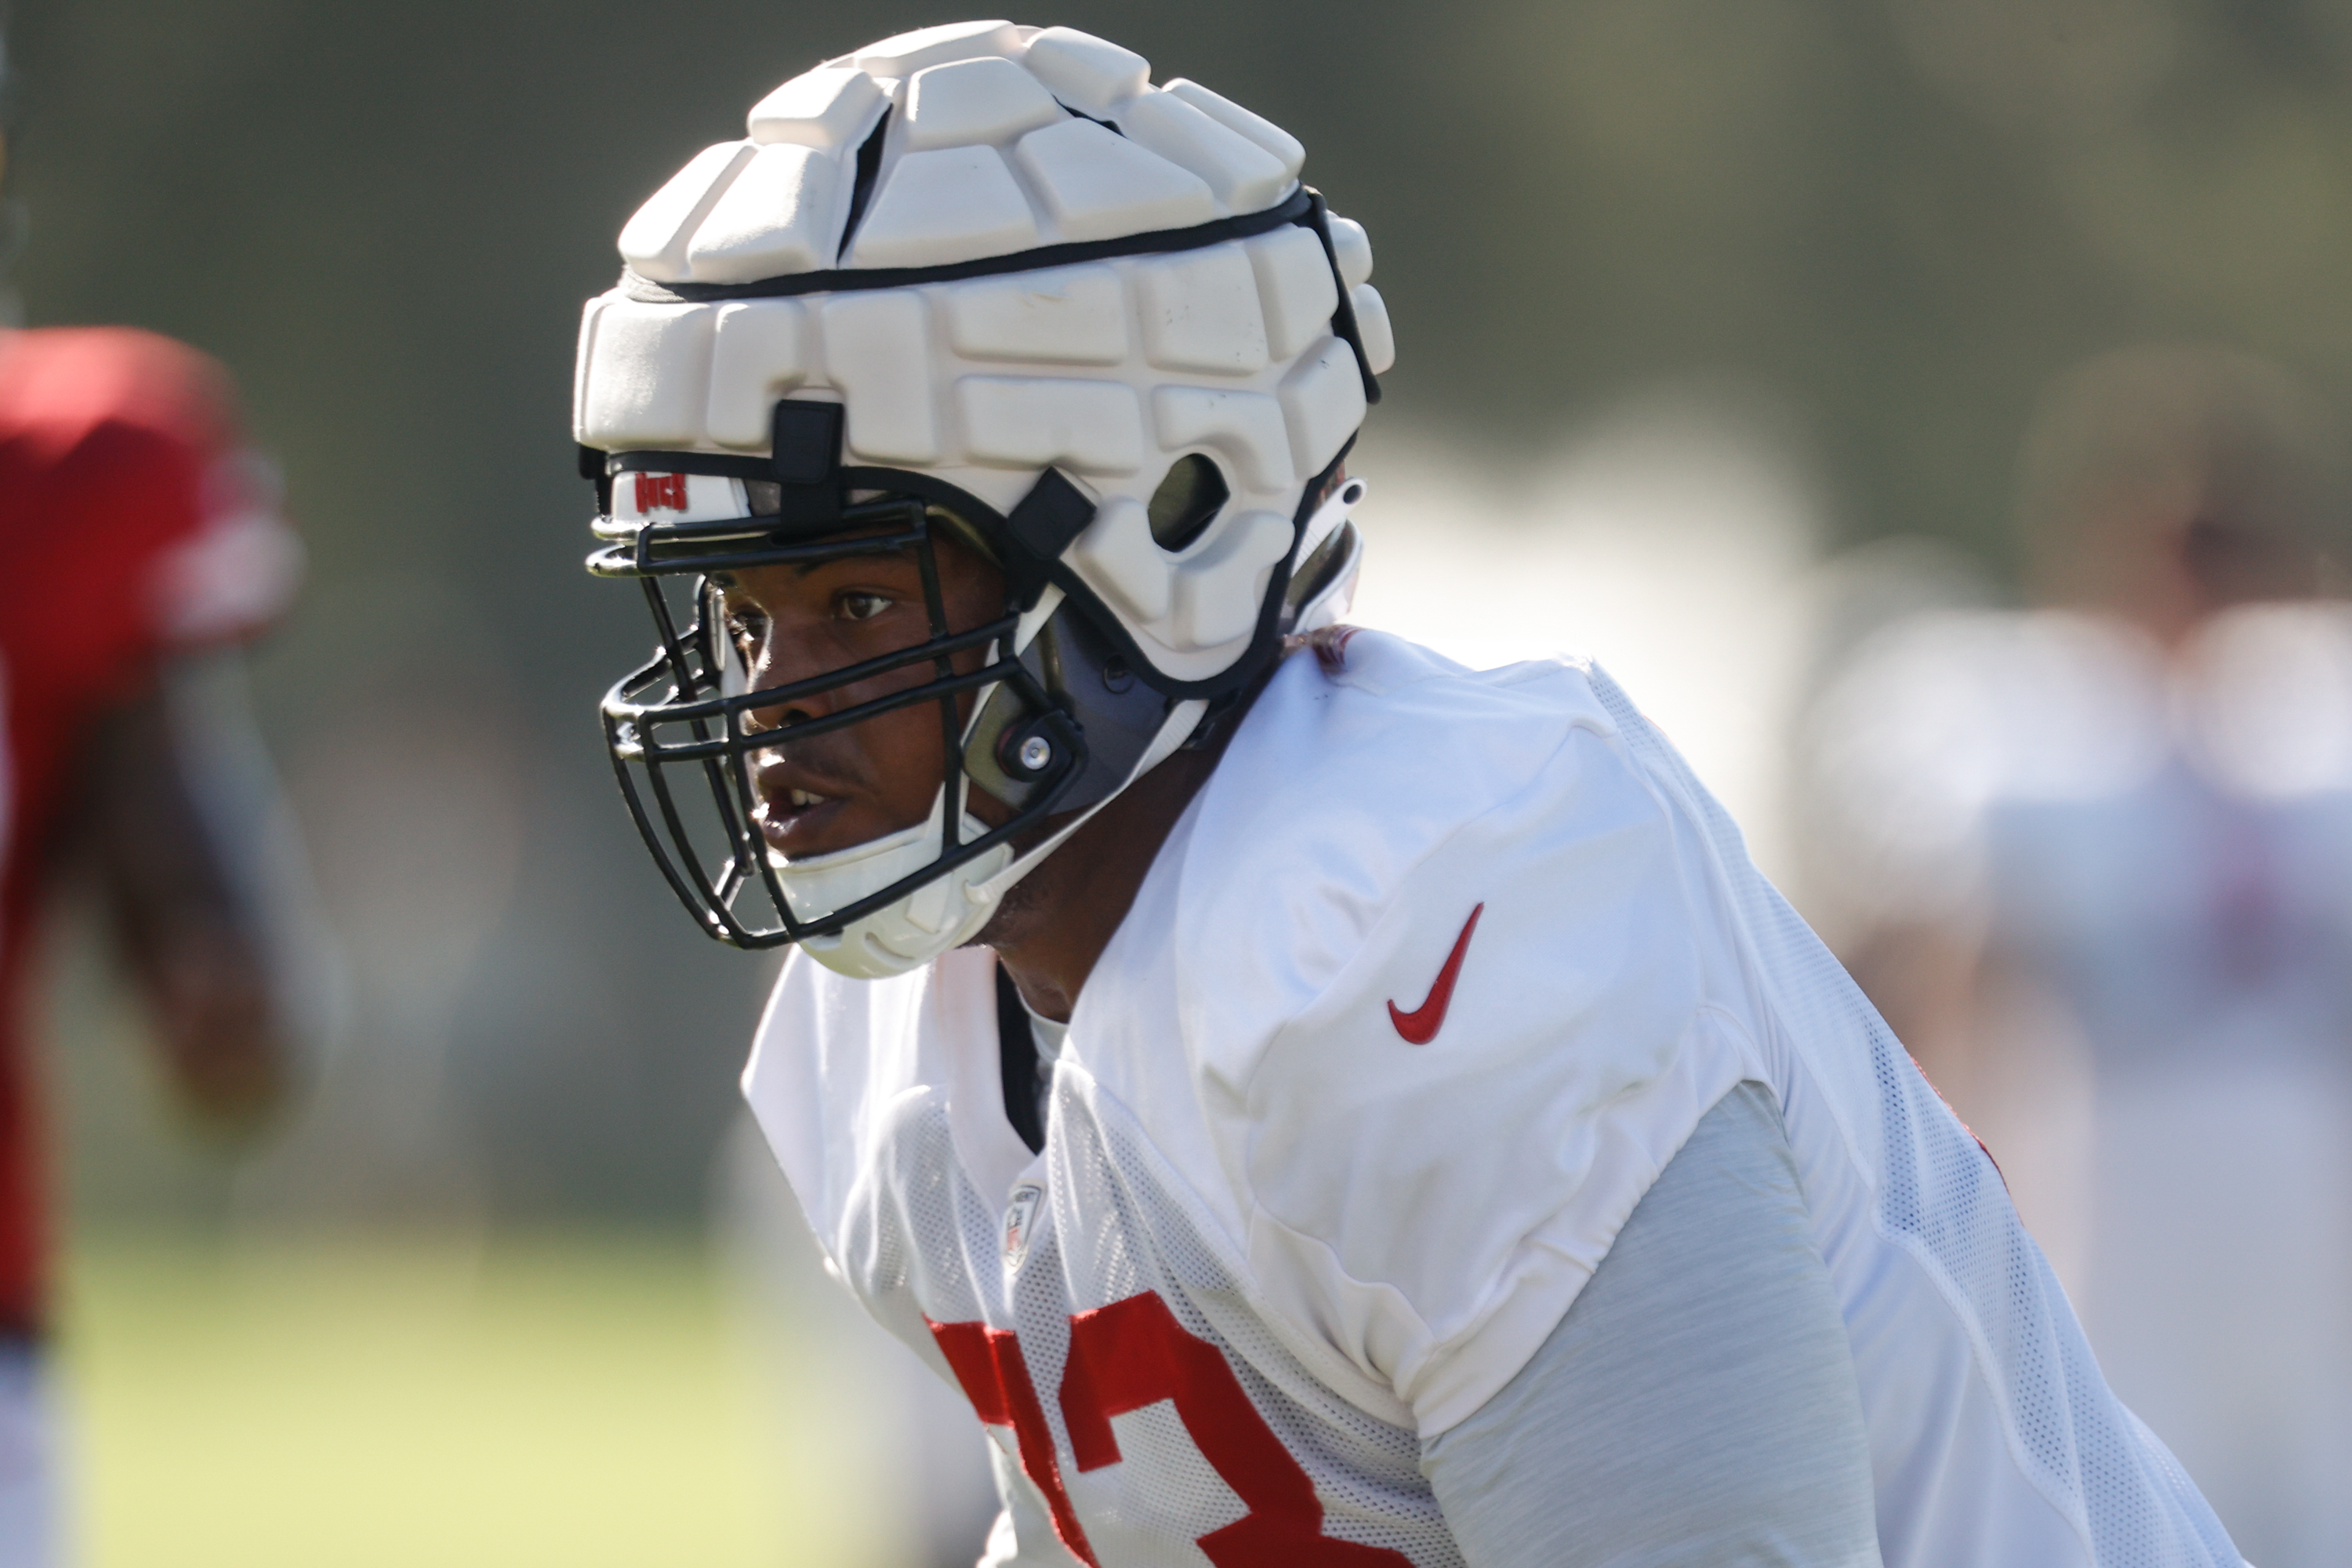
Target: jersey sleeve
1507	1044
237	572
1699	1402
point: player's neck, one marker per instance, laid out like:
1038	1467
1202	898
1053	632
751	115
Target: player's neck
1057	920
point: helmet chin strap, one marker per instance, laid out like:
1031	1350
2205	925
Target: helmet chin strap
908	934
1182	719
953	907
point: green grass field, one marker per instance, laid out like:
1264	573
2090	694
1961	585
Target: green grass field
576	1401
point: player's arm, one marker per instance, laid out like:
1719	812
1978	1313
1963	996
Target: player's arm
1697	1406
193	851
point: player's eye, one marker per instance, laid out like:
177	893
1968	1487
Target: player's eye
747	627
857	605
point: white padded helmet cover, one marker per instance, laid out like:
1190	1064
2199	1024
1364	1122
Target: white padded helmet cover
1110	369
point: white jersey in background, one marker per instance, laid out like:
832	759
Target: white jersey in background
2158	851
1433	980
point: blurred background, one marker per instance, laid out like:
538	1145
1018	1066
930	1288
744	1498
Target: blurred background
1722	326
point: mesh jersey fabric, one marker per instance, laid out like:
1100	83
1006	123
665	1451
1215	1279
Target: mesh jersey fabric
132	530
1274	1244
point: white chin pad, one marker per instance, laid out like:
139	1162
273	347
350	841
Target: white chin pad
895	938
915	928
949	910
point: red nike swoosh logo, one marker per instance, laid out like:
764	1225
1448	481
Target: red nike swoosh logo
1420	1026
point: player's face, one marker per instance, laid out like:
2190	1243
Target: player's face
847	786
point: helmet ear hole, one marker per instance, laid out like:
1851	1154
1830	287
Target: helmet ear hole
1187	501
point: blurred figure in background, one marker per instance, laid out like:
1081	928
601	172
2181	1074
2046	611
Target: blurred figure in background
2098	855
143	545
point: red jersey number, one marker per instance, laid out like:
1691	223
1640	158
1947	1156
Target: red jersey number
1123	1357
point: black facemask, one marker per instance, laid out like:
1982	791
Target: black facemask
1060	728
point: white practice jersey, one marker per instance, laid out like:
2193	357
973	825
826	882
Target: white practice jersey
1433	978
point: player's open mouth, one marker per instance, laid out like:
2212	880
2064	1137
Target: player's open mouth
794	819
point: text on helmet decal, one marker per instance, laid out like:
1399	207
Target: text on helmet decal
664	492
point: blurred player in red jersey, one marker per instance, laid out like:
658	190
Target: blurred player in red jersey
145	546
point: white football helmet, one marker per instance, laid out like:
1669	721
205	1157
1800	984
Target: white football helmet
989	279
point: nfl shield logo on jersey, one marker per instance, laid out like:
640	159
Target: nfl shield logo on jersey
1018	1217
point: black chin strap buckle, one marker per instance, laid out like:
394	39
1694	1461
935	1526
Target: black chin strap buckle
806	453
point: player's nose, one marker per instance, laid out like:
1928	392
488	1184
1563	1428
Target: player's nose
792	659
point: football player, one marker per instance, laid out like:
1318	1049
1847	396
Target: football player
1323	1105
2098	853
145	546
